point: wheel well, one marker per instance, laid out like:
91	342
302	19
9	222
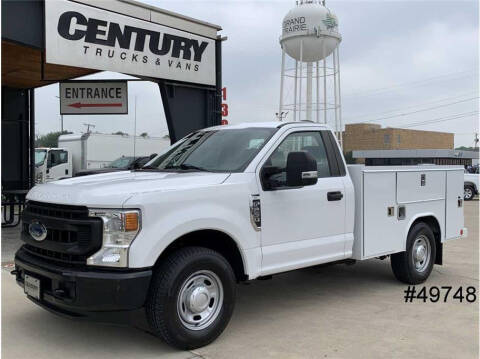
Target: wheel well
212	239
471	184
432	222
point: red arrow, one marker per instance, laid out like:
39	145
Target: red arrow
80	105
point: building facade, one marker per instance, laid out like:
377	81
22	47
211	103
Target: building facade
366	136
416	157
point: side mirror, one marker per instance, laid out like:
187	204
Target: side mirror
265	174
301	169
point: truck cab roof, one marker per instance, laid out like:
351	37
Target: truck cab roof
270	124
49	148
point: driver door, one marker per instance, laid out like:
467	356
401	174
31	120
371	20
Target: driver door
57	165
302	226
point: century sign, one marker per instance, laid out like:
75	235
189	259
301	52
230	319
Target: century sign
84	36
93	97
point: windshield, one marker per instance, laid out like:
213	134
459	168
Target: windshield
229	150
122	162
40	157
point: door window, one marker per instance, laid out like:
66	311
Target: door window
310	142
63	156
56	158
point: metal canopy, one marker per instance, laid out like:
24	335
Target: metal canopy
23	68
188	106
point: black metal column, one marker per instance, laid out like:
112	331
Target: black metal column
31	97
190	107
218	77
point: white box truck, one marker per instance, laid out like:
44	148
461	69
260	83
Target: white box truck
77	152
226	204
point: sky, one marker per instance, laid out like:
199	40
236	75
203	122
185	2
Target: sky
410	64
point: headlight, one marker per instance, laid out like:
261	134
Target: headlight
120	227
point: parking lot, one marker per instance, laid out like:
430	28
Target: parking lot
322	312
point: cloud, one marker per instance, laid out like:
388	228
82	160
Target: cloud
394	55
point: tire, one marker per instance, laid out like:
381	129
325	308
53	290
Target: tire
407	266
181	306
468	192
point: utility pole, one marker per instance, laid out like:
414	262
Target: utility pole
135	128
281	115
88	126
61	117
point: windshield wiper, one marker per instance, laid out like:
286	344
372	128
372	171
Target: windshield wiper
185	166
146	168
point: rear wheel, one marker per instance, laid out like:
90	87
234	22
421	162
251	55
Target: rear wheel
415	264
468	193
191	297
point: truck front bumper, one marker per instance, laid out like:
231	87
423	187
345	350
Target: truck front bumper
83	292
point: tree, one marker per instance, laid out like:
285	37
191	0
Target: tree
349	158
144	134
120	133
50	139
463	148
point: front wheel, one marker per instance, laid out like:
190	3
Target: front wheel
191	298
468	193
415	264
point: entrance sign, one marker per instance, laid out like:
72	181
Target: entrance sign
84	36
93	97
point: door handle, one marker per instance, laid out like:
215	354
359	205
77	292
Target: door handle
334	196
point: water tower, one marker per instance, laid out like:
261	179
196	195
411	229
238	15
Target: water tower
310	38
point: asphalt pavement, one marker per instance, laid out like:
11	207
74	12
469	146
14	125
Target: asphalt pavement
335	311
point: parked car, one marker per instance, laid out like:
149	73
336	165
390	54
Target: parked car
228	204
120	164
470	189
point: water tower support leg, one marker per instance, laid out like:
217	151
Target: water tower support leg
301	75
280	106
295	93
339	100
317	109
335	91
324	88
309	90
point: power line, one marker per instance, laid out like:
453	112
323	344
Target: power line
440	119
410	84
421	110
415	105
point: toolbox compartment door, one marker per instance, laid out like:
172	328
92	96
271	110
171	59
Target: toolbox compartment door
382	233
454	204
420	186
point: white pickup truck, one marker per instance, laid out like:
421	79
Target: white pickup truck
471	186
226	204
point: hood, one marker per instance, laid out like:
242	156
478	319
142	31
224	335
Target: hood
114	188
99	170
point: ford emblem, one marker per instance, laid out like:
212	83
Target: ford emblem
37	231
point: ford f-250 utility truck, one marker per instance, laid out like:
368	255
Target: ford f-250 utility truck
223	205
